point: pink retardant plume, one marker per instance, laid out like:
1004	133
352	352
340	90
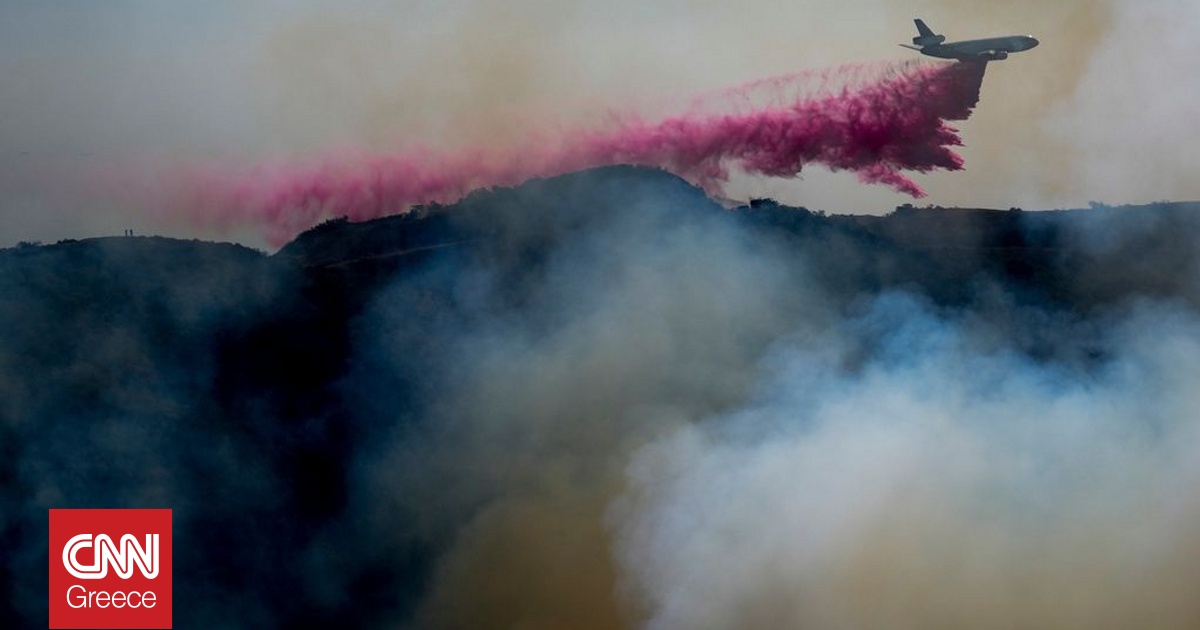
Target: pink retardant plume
894	122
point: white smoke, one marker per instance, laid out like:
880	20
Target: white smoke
937	483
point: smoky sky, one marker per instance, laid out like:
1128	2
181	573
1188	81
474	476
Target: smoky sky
1097	112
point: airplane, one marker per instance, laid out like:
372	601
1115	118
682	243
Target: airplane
991	49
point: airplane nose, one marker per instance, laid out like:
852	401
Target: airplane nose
1032	42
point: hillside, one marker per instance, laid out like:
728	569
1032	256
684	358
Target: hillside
306	414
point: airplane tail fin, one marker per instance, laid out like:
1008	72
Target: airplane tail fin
926	36
923	28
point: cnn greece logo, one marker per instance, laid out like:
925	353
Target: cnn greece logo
110	568
107	553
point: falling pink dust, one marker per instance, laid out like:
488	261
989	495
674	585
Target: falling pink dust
880	128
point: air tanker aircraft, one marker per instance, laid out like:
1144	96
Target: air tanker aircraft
991	49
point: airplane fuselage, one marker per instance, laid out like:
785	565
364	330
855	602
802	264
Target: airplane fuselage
981	49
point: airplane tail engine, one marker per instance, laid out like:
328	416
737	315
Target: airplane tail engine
928	40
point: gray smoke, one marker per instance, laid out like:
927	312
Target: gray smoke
547	382
684	421
943	481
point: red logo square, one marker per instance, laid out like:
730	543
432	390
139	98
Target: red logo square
110	569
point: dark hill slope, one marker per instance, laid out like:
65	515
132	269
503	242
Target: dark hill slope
244	390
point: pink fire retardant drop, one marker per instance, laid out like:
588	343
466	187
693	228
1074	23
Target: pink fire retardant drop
879	127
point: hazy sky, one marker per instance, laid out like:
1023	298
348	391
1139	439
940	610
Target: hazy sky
1099	111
